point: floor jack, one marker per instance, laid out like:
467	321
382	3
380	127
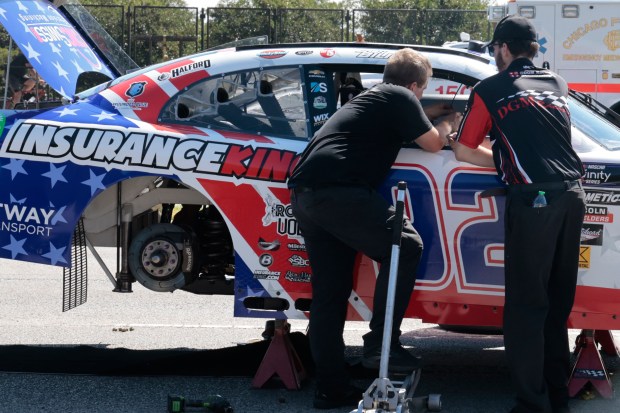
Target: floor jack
383	395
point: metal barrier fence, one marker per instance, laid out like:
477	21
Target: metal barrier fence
151	34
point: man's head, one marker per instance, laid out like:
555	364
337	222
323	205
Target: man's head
514	36
408	68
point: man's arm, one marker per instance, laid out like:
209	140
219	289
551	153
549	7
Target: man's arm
480	156
436	138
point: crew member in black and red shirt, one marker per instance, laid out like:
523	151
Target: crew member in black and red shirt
525	111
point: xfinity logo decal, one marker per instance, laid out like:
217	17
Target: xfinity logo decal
91	145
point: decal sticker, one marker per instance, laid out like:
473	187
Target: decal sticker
298	261
584	257
304	52
136	89
602	197
190	68
2	122
265	260
327	53
282	216
318	87
296	247
303	277
374	54
598	214
596	174
150	151
592	234
316	74
272	54
319	102
268	246
320	119
266	275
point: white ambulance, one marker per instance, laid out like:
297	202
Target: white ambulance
579	40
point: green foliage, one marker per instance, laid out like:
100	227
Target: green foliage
422	22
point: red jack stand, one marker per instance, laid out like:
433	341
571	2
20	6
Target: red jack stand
281	359
589	367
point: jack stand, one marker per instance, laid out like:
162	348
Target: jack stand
281	359
589	367
606	340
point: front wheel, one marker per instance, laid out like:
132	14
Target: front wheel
161	257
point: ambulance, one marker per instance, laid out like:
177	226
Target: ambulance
579	40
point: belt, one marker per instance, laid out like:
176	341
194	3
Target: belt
542	186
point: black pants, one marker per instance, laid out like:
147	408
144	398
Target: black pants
336	223
541	257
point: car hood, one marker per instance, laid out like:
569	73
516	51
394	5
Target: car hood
52	45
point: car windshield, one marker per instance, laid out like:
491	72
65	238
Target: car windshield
595	127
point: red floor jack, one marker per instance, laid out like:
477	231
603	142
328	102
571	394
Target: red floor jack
383	395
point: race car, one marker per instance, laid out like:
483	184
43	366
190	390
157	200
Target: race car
183	166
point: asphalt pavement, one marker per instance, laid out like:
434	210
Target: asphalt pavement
467	369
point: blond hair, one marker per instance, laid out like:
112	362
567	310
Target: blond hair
405	67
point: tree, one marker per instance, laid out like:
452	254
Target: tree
283	20
431	22
149	30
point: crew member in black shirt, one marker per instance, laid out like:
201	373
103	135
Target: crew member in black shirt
340	213
525	111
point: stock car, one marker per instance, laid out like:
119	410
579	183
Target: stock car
182	166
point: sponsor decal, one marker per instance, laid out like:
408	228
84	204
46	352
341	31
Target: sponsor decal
584	257
374	54
282	216
136	89
592	234
303	52
319	102
298	261
318	87
589	374
266	275
164	76
320	119
296	247
327	53
272	54
91	145
190	68
602	197
18	218
188	256
2	122
316	74
265	260
130	104
268	246
595	174
301	277
598	214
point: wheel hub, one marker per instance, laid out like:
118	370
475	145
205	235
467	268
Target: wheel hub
160	258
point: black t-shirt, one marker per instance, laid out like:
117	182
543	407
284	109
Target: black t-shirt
525	111
360	142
